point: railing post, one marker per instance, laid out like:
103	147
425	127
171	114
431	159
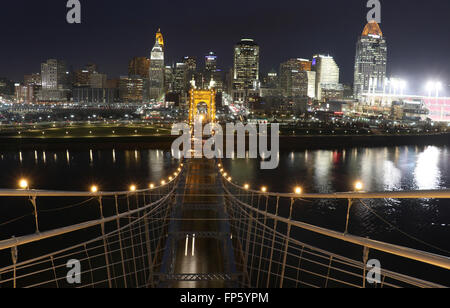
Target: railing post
286	246
105	244
349	206
130	220
14	257
33	202
247	248
262	242
365	260
273	244
120	240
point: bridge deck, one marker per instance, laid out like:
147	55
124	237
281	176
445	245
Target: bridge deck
208	253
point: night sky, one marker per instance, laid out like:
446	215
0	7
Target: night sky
112	32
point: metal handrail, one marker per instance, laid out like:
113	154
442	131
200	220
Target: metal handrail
27	239
420	194
54	193
409	253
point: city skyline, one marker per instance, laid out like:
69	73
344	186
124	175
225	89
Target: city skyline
416	64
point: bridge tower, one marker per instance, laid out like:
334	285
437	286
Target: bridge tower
202	98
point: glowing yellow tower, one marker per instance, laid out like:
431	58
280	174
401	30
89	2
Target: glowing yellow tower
159	38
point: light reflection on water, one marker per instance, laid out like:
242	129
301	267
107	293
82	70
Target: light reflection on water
380	169
317	171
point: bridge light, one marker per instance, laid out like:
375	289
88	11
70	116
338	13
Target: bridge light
23	184
359	186
94	189
170	178
151	186
163	182
133	188
219	165
225	174
246	187
229	179
298	190
264	189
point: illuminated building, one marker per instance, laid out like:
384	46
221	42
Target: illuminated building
370	61
131	89
246	64
297	79
82	76
55	81
439	108
157	69
327	77
139	66
97	80
246	69
211	62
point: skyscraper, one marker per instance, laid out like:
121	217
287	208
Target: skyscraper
370	61
157	69
246	69
55	79
297	79
327	76
246	64
139	66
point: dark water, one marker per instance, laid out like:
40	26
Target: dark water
380	169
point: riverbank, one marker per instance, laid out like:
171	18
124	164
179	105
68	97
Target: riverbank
164	142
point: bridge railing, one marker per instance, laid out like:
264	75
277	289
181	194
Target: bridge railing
274	248
122	247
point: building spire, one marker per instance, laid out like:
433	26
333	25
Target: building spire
159	38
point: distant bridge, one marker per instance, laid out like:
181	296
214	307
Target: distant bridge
201	230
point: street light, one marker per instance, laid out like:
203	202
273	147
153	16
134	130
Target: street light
359	186
433	86
23	184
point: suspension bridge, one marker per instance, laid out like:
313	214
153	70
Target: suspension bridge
200	230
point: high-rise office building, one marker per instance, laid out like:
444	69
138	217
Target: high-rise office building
211	62
327	76
82	76
97	81
55	85
297	79
139	66
131	89
157	69
370	61
246	65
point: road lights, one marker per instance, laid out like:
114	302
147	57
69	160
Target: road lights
23	184
359	186
435	86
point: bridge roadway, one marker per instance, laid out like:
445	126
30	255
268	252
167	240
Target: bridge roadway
200	215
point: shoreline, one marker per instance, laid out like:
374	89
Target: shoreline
165	142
